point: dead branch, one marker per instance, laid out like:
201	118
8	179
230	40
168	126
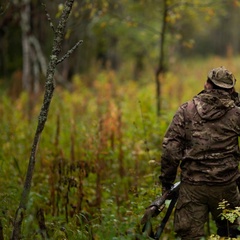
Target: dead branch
69	52
48	17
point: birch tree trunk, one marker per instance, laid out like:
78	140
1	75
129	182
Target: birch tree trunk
25	26
34	62
49	89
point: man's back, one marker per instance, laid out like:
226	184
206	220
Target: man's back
212	125
203	139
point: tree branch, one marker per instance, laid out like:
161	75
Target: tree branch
70	51
4	9
48	17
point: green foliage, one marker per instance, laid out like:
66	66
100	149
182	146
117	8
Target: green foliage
98	159
92	157
117	31
229	214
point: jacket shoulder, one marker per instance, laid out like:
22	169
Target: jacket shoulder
188	106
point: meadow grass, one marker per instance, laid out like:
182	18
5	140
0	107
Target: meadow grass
98	158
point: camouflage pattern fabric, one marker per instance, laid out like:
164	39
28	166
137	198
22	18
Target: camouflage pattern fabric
236	98
191	211
203	140
222	77
203	136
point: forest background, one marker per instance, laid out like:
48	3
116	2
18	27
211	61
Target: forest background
97	163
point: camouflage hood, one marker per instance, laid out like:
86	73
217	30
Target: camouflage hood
213	104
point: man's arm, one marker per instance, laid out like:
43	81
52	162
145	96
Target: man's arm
172	149
236	98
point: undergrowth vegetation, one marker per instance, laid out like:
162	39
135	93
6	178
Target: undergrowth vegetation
98	159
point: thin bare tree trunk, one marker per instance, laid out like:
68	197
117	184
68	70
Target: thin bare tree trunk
49	89
160	70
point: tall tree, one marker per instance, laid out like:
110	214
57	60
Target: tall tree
161	68
25	25
49	89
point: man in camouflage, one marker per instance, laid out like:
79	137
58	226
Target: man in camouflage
203	140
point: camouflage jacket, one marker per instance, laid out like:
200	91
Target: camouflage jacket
203	139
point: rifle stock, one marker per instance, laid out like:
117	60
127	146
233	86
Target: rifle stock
155	208
158	205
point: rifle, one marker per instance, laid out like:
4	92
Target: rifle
156	207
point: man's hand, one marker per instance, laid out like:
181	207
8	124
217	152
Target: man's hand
165	188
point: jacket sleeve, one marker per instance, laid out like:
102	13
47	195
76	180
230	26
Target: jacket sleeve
173	148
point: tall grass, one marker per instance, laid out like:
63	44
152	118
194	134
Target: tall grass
98	159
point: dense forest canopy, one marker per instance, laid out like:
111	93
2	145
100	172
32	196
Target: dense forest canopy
118	32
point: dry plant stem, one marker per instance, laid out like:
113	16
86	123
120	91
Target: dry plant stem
54	166
49	89
1	230
145	133
121	154
72	140
41	223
